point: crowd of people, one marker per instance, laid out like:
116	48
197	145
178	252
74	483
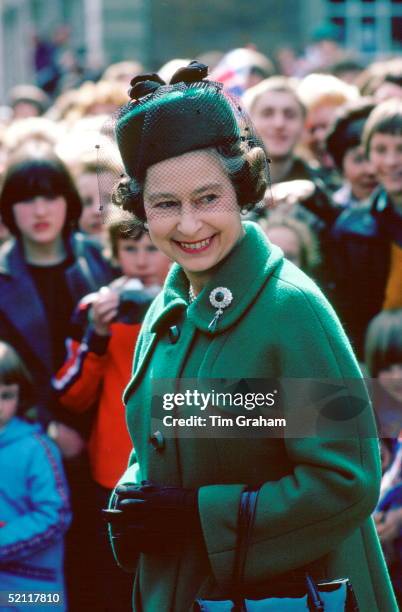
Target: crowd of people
75	285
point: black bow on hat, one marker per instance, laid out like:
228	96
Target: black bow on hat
148	83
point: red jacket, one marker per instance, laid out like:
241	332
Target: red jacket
97	369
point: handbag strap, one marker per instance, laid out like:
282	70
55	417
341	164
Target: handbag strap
247	510
248	505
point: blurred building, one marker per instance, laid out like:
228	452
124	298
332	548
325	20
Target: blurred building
372	27
92	33
153	31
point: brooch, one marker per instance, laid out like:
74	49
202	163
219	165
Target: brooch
220	298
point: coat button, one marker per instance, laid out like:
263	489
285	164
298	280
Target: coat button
157	440
174	334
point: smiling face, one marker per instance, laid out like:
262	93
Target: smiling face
359	172
192	212
278	119
386	156
40	220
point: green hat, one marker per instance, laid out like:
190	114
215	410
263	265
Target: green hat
172	120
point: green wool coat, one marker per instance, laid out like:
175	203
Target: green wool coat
317	494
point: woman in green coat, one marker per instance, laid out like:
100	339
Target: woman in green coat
232	308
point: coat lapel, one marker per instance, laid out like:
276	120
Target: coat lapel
148	343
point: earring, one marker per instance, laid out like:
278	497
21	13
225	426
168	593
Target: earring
145	226
244	211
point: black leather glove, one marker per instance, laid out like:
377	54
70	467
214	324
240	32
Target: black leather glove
158	517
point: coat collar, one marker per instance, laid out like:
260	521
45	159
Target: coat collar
244	271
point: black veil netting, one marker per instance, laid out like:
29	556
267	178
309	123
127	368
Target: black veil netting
146	128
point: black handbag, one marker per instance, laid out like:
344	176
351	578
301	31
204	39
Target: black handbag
300	595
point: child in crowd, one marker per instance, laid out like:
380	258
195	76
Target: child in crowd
105	329
388	515
34	501
45	270
346	149
383	356
298	243
383	142
87	172
97	369
384	363
344	143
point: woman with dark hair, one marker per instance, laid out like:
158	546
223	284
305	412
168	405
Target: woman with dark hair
232	308
344	144
48	267
44	271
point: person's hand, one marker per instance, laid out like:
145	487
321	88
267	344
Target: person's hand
283	196
104	310
388	524
159	516
69	441
150	497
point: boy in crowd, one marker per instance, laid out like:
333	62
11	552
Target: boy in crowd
278	116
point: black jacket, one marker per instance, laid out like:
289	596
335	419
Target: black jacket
360	261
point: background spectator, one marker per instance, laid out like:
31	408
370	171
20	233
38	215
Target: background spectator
359	250
322	95
34	500
344	144
28	101
368	239
45	270
383	357
105	329
384	361
296	240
